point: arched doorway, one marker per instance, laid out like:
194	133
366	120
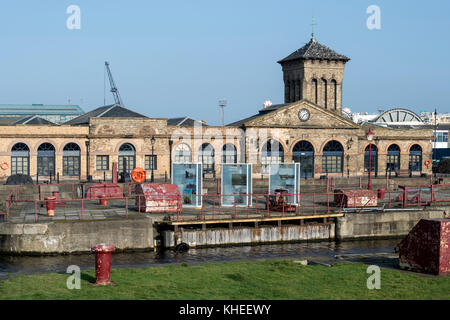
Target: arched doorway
206	157
272	153
415	158
20	159
229	154
373	161
71	160
127	158
46	160
393	158
303	152
333	157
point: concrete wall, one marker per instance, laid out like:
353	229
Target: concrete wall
249	235
381	224
76	236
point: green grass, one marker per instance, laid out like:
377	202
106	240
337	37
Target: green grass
234	280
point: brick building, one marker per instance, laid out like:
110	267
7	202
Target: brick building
308	128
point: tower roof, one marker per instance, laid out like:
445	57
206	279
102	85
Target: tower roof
314	50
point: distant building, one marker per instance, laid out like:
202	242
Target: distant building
428	117
363	117
53	113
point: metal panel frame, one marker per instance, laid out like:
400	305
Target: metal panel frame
199	183
249	184
296	181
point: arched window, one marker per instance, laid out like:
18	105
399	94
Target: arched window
332	159
325	93
303	152
415	158
271	153
206	157
229	154
46	160
182	153
371	150
127	158
393	158
71	160
314	88
20	159
334	88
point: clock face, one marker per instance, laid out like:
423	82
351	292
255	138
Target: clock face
303	115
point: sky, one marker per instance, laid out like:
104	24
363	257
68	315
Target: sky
180	57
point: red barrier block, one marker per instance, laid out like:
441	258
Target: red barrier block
155	197
355	198
110	190
427	247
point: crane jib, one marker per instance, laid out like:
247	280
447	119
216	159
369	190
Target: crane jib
114	90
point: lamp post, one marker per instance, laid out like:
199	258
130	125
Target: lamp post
170	157
153	157
87	160
349	146
370	135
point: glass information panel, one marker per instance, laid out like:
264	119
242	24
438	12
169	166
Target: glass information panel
285	176
188	178
236	184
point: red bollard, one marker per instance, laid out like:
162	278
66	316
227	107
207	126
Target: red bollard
381	193
103	264
56	195
50	202
103	200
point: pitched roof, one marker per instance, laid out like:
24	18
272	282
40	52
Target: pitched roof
261	112
11	121
314	50
275	108
111	111
184	122
34	120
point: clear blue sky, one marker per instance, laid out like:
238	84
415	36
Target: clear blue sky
179	57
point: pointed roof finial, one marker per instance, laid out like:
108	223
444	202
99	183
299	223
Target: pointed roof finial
312	27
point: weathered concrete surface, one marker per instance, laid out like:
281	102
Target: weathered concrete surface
382	224
426	248
76	236
249	235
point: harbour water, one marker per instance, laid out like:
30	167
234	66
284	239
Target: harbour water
325	252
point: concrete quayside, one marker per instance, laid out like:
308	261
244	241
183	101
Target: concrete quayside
146	232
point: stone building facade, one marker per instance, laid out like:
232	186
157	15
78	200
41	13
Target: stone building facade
308	128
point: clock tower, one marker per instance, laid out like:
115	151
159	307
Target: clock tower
314	73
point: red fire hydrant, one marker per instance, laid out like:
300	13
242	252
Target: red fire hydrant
103	264
103	200
50	202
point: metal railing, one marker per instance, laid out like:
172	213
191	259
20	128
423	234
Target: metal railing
212	206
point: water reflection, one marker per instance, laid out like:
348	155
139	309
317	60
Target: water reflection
325	250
